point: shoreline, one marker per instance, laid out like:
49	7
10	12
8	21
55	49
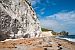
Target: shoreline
67	41
42	43
65	38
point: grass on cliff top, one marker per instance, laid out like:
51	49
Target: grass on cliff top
44	29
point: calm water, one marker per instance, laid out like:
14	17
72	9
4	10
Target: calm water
69	37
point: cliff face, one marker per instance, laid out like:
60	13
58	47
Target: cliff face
18	19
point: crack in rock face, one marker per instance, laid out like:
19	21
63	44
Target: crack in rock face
18	19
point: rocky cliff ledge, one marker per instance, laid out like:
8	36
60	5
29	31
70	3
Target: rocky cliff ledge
18	19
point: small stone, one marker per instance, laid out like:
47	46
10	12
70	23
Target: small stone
45	48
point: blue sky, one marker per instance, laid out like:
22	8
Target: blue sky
56	14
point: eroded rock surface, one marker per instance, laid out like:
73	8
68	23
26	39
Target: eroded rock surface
18	19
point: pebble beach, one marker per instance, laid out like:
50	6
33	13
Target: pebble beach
41	43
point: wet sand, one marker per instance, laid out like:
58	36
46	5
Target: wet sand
42	43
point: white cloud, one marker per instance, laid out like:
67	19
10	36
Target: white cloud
34	2
36	7
65	16
42	11
60	21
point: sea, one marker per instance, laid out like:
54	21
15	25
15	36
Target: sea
69	37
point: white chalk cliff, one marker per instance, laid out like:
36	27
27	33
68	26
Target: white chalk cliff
18	19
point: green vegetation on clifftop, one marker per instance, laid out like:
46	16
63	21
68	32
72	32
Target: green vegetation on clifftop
44	29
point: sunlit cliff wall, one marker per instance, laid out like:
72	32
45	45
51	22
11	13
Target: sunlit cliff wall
18	19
